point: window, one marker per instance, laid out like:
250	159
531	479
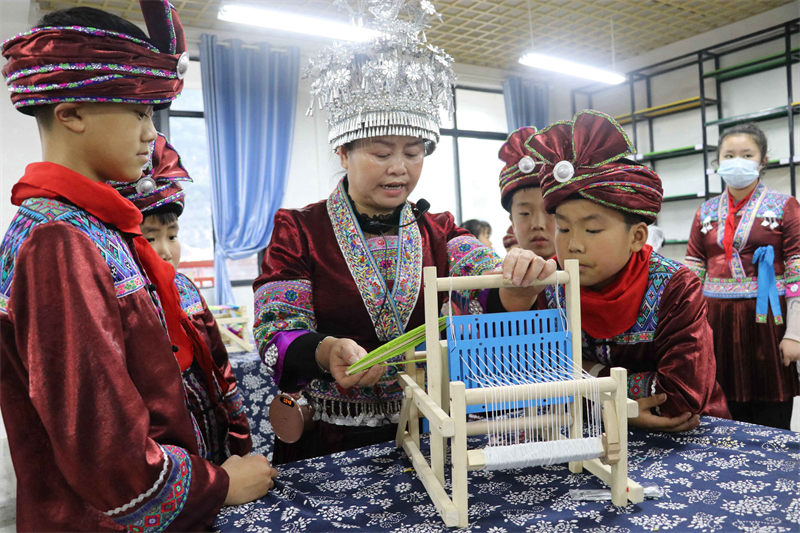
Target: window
187	133
462	175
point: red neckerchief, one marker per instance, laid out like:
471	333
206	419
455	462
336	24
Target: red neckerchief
50	180
730	224
614	308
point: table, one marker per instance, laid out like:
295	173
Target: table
722	476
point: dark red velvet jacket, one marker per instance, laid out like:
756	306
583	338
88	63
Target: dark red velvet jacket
90	390
669	349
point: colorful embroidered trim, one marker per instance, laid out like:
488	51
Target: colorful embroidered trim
469	257
68	85
389	312
283	306
127	286
191	301
159	512
696	265
639	384
86	29
100	67
3	304
384	251
56	100
235	401
731	288
148	493
791	275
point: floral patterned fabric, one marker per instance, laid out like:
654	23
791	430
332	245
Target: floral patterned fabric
723	476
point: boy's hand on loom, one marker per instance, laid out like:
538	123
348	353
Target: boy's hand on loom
337	355
790	351
250	477
653	422
523	267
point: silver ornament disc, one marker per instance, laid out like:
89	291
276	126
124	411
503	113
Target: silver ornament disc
145	185
563	171
183	65
526	164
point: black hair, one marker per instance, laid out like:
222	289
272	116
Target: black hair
630	219
750	129
348	147
166	214
476	227
508	201
92	18
81	16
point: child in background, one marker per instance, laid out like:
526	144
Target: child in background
639	310
482	230
745	247
90	328
521	196
212	394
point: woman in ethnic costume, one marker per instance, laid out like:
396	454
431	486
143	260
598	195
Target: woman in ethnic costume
343	276
745	247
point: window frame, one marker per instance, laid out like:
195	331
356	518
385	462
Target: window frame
455	133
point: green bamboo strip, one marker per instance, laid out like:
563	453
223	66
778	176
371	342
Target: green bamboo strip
392	348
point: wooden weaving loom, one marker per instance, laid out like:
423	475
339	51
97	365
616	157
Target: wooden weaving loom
524	371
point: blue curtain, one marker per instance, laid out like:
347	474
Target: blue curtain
249	94
526	103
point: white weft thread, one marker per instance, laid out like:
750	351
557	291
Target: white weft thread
520	432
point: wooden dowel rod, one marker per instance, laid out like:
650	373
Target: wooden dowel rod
493	281
531	391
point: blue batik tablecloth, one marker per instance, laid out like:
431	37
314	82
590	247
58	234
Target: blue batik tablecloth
722	476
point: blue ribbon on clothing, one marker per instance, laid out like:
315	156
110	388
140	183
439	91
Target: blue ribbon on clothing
764	258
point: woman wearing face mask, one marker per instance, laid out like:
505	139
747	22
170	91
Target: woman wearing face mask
745	246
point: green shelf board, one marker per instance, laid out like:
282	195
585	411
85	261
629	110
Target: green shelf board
675	152
663	109
754	65
764	114
675	241
781	163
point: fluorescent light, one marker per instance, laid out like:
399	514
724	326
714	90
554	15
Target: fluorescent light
278	20
571	68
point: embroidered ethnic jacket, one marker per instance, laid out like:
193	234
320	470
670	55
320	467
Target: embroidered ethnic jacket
669	349
770	217
223	425
320	274
90	390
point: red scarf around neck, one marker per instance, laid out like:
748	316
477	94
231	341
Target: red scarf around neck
51	180
730	223
614	308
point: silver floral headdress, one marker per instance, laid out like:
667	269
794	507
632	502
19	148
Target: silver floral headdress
394	84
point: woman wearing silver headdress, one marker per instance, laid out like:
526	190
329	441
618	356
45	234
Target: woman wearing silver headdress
343	276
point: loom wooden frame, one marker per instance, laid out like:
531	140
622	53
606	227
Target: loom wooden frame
446	413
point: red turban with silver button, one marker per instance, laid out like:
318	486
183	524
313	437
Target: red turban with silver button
585	158
166	169
520	170
48	65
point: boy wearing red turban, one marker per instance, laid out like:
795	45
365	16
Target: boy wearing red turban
213	396
90	318
639	310
532	227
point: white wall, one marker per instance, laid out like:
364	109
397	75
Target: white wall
19	139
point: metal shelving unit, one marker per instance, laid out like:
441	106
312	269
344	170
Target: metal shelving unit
639	117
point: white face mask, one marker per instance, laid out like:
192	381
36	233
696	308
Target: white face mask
738	172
